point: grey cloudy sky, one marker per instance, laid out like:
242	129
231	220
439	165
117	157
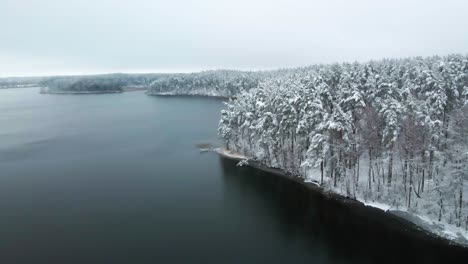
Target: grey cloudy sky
45	37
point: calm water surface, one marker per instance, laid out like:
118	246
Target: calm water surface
116	178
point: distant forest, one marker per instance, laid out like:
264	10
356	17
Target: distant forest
96	83
221	83
20	82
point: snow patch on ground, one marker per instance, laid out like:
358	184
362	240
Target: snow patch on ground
446	230
379	205
230	154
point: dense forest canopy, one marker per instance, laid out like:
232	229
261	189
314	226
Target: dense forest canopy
224	83
393	131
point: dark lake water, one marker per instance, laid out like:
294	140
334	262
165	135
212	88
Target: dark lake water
117	178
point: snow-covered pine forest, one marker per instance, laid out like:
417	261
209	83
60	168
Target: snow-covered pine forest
222	83
391	132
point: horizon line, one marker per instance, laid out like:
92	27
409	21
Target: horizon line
203	69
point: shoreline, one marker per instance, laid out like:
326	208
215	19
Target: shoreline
18	87
133	89
191	95
405	218
94	92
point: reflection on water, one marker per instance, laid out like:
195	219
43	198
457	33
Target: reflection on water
333	231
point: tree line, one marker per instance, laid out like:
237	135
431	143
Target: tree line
393	131
96	83
19	82
221	83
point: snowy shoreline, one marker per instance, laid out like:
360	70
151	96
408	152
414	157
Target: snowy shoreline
441	232
96	92
189	95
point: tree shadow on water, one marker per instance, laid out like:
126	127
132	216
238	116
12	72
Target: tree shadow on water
345	233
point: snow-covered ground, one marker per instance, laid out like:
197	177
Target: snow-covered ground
230	154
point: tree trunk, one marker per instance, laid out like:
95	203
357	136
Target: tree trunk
410	182
431	161
358	170
335	175
405	173
370	168
422	181
390	167
321	172
441	207
293	157
460	206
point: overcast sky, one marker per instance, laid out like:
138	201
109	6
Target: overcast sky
47	37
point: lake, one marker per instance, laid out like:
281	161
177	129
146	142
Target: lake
116	178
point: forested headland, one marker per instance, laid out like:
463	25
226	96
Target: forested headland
219	83
392	132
